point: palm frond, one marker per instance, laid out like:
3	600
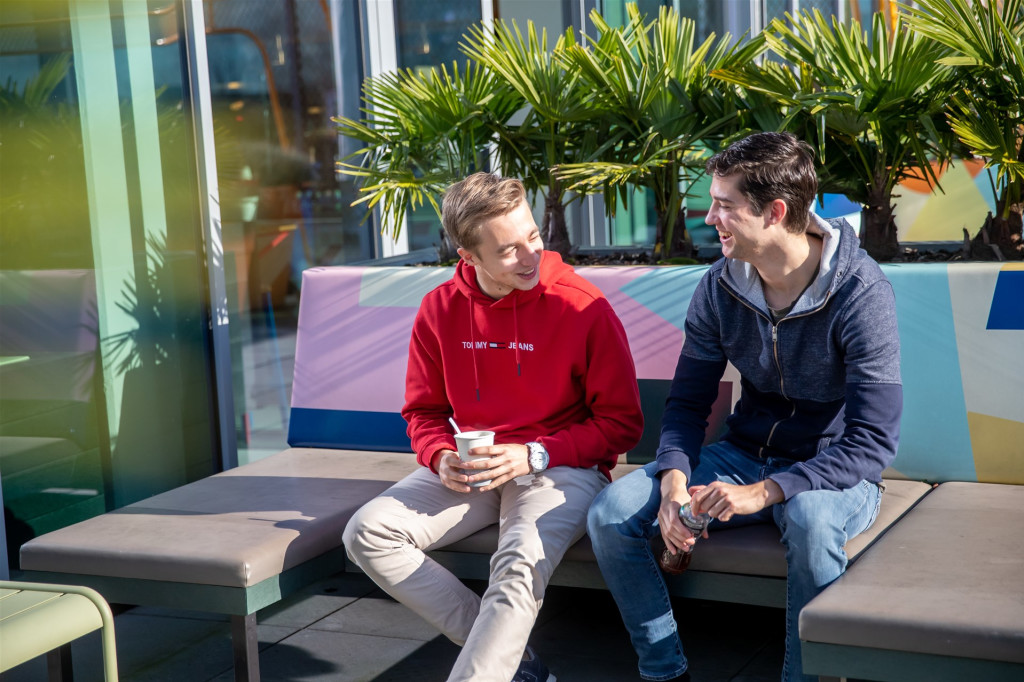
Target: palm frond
984	41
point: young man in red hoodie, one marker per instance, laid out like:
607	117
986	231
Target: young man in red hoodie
519	344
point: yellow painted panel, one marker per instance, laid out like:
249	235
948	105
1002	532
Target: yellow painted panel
998	446
943	216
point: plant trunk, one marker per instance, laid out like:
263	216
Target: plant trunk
555	232
446	251
681	245
1006	232
999	238
878	230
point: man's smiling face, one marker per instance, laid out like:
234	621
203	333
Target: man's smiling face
741	232
507	257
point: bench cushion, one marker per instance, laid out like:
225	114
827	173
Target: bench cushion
749	550
944	581
235	528
242	526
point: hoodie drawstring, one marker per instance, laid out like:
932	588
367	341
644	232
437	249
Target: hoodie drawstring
472	347
515	336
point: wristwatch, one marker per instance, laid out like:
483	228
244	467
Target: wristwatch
538	457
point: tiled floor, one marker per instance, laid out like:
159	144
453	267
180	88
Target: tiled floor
344	629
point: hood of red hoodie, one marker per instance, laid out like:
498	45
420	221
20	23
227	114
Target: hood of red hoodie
552	269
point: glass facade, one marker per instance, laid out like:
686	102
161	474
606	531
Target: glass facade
105	395
279	71
159	202
427	36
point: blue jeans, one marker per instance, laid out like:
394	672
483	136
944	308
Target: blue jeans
815	526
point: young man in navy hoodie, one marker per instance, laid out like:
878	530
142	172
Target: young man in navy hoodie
809	321
519	344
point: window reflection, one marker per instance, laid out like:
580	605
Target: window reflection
279	70
104	376
428	35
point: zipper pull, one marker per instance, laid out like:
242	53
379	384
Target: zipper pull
775	333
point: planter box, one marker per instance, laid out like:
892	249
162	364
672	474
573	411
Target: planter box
961	329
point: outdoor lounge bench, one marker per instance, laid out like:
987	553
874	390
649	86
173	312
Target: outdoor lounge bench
238	541
939	597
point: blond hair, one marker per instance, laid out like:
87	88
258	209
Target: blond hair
481	196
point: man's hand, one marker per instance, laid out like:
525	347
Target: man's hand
673	496
724	500
449	470
505	462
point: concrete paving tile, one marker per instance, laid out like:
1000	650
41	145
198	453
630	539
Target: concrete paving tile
723	638
317	601
322	656
153	648
720	640
432	661
380	615
168	652
590	626
766	664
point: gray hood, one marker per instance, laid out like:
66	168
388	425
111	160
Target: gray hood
839	244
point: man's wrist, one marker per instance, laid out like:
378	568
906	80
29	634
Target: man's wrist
672	480
537	457
435	460
772	492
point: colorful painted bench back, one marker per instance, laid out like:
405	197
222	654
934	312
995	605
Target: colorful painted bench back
961	331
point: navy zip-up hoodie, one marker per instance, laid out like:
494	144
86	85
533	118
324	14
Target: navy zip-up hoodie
821	387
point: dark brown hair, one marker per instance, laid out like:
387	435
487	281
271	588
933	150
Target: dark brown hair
772	166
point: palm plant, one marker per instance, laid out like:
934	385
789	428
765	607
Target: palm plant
652	85
556	124
423	131
987	108
871	107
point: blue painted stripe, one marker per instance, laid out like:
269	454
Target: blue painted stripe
347	430
1007	311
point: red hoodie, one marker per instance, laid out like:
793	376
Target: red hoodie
551	364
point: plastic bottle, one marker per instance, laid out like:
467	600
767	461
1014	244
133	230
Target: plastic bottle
677	563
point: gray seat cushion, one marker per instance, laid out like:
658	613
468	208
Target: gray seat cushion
946	581
753	550
245	525
236	528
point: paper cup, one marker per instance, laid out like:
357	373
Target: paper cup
467	440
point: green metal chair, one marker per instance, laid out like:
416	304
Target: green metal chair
38	618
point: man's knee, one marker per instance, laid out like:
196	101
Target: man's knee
515	571
606	512
363	533
614	515
807	524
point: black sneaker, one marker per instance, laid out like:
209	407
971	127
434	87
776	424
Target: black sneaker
533	670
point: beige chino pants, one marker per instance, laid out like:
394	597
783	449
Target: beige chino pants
539	518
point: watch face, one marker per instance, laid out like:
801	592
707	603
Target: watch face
538	457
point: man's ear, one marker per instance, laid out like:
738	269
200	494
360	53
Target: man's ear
466	255
777	212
